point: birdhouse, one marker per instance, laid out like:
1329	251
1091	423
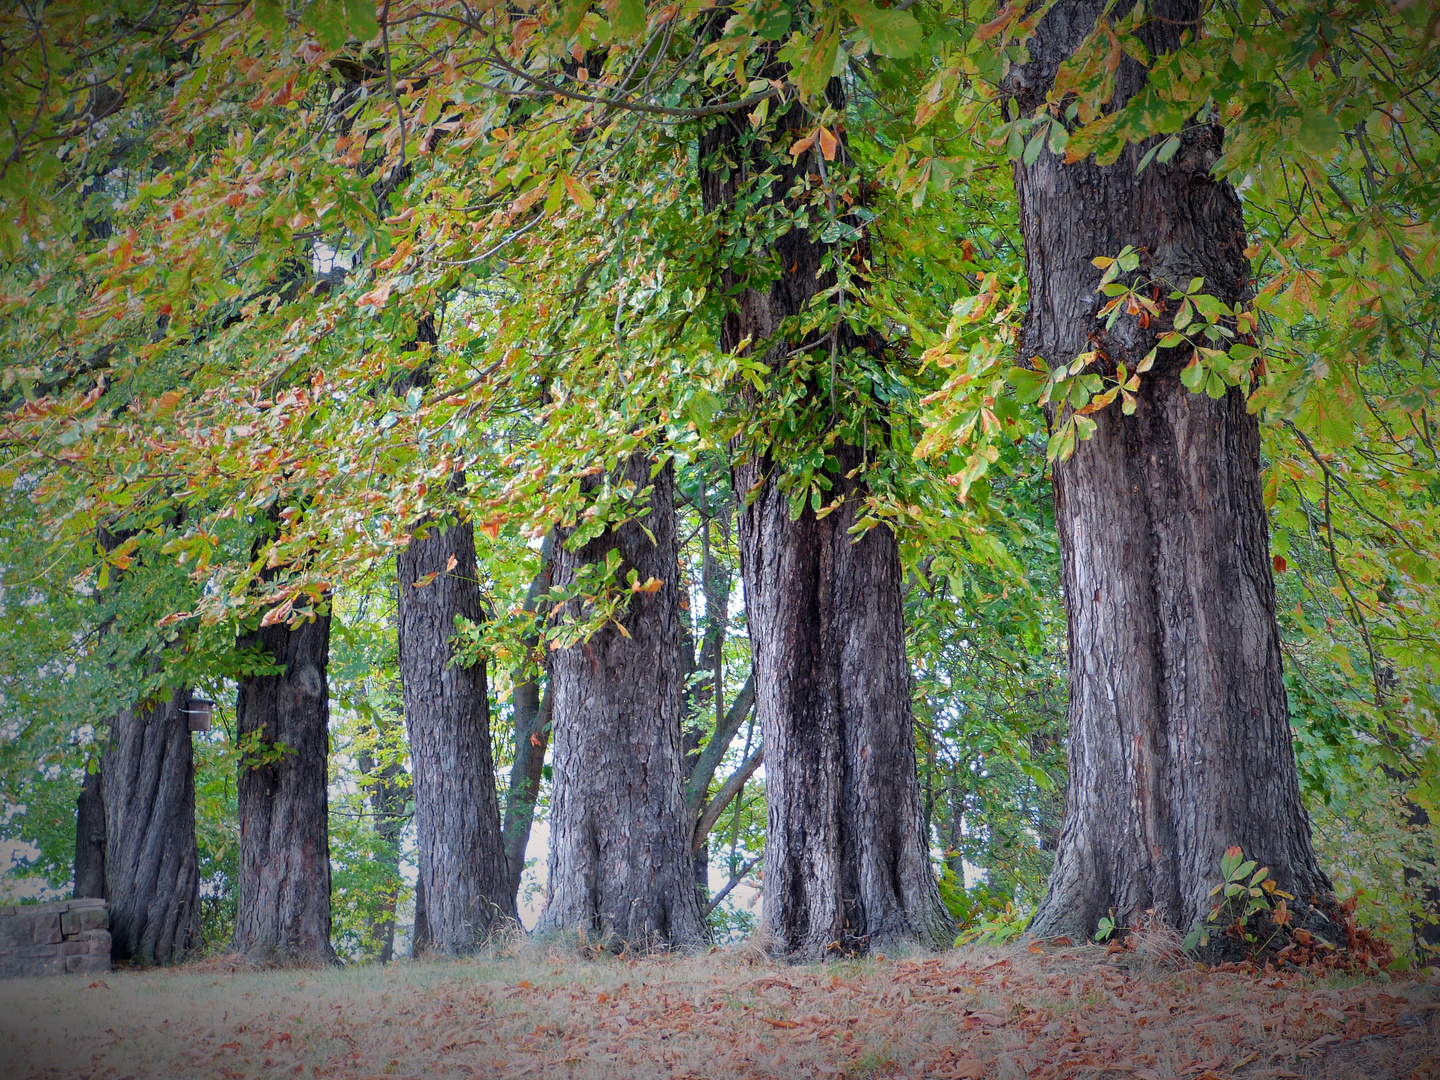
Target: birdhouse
199	711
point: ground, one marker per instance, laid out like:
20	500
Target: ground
994	1014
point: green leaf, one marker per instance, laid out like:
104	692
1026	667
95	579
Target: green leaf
1319	133
629	21
813	74
360	15
1033	148
570	17
892	33
774	24
1028	384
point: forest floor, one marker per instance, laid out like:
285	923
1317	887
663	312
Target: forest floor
972	1013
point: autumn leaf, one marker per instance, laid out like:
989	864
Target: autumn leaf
451	562
653	585
828	143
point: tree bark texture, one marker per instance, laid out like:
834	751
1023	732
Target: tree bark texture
283	914
90	836
1179	732
846	860
447	716
152	863
620	864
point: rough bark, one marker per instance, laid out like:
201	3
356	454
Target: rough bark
447	716
152	864
90	836
1179	733
283	914
620	864
846	861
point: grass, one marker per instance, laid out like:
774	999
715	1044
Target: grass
973	1013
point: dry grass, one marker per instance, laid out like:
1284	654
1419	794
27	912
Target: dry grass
971	1013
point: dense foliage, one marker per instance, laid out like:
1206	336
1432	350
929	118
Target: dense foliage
271	274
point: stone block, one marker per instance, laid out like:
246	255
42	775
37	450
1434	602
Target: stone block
78	921
47	928
16	931
25	952
97	942
88	965
73	947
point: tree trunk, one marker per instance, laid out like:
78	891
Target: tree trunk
387	794
532	736
152	864
846	861
420	933
620	865
1179	732
532	712
90	836
447	716
283	915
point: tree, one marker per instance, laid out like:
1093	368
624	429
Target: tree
152	875
1179	730
282	720
447	716
846	858
621	870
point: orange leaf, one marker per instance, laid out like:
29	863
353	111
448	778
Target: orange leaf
426	580
801	145
491	528
653	585
535	740
780	1023
828	143
1280	565
450	562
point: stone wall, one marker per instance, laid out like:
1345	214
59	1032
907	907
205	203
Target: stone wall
51	939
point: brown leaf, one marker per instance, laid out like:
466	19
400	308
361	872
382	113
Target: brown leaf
968	1068
780	1023
450	562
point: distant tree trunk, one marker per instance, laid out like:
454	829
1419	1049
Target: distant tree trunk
532	712
846	859
620	863
1179	732
420	934
152	864
447	716
90	836
387	795
283	914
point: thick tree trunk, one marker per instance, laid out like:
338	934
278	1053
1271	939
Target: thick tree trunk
846	861
283	915
620	864
90	836
1179	733
152	864
447	716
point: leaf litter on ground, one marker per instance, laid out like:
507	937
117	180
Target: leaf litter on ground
972	1014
